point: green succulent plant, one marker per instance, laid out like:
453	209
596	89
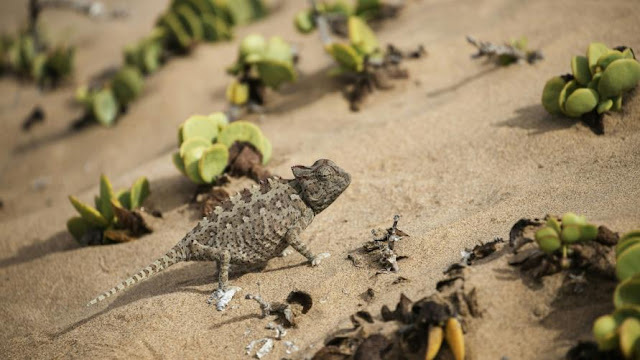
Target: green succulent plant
596	84
621	329
362	62
304	19
204	143
628	256
105	104
260	64
560	235
245	11
127	85
146	55
184	24
363	46
47	66
338	11
188	22
102	220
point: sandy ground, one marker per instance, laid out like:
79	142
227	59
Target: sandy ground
461	150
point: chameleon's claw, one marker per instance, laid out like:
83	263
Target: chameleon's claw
222	297
318	258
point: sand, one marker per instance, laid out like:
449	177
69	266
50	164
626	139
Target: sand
461	150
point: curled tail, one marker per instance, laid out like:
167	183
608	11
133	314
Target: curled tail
175	255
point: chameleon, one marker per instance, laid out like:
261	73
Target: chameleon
252	227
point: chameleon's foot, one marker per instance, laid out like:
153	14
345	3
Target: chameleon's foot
286	252
222	297
318	258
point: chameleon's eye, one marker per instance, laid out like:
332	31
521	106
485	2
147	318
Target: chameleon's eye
325	172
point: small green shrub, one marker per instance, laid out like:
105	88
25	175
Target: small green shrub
363	47
621	329
515	51
178	30
108	221
558	236
363	64
596	85
336	12
204	143
106	103
46	66
260	64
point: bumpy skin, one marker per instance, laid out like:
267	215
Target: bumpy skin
254	226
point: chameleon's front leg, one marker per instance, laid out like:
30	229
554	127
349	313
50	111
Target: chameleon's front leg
293	239
223	294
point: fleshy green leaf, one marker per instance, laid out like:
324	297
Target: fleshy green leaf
627	292
581	102
177	161
361	36
274	73
580	68
594	51
104	107
243	131
91	215
620	76
201	126
193	143
551	94
213	162
628	262
124	198
139	192
106	194
78	226
346	56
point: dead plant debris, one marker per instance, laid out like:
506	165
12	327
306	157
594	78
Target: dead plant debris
298	303
597	256
380	250
36	116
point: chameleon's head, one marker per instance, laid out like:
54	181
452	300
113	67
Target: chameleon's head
321	183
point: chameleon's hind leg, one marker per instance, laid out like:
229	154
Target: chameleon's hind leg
224	293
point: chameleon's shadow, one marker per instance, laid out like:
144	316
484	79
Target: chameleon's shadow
59	242
465	81
186	279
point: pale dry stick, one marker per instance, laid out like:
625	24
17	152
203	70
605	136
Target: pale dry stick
322	24
491	51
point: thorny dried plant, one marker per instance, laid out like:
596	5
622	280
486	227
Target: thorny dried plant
383	244
505	54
